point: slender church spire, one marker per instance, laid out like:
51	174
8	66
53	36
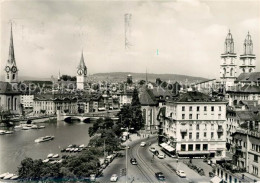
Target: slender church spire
11	59
248	45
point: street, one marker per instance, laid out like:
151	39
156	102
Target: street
146	168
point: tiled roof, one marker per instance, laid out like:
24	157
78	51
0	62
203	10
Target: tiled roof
252	76
195	96
246	89
6	88
146	97
53	97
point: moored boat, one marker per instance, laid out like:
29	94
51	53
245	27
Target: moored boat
50	155
9	132
71	149
56	156
45	161
3	175
40	127
2	132
15	177
34	127
8	176
68	150
82	145
76	150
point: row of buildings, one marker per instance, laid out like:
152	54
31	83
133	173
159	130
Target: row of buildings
217	116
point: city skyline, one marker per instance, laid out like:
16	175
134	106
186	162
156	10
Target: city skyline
51	37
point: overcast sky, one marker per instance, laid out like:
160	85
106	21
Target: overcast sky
189	35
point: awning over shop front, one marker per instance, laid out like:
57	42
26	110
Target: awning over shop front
216	179
193	152
167	147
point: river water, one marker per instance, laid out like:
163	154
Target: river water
15	147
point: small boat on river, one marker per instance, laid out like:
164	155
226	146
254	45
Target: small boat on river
44	139
3	175
55	156
8	176
50	155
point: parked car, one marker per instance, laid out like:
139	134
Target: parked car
152	149
161	156
159	176
114	178
92	177
133	161
181	173
143	144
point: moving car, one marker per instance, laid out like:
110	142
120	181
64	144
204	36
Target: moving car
143	144
133	161
159	176
181	173
152	149
114	178
161	156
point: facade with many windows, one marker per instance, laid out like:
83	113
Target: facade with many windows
195	125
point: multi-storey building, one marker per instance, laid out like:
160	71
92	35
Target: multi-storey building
49	103
27	101
246	144
195	125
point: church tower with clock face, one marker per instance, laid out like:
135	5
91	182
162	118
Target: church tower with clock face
11	71
81	74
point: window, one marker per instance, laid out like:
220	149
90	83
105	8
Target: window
190	127
205	147
219	108
197	126
205	127
256	158
190	116
190	108
13	76
212	126
190	135
190	147
205	108
197	147
212	108
255	170
219	116
198	108
183	116
183	108
197	116
205	134
183	147
212	135
197	135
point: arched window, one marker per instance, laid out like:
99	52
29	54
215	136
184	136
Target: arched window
13	76
231	72
224	72
7	76
144	115
250	70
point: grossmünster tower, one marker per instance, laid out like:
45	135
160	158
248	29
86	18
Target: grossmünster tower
11	71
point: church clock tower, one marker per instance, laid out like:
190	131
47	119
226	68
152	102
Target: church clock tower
11	71
81	73
228	65
247	60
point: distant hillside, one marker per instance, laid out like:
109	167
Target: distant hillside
121	76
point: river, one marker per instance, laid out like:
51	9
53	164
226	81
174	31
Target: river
15	147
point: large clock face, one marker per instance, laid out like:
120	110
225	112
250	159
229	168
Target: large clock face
7	68
80	72
14	69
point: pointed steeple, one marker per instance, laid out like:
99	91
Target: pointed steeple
81	63
11	59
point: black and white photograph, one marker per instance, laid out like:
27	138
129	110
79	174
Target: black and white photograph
130	91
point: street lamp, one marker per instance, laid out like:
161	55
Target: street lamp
127	130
